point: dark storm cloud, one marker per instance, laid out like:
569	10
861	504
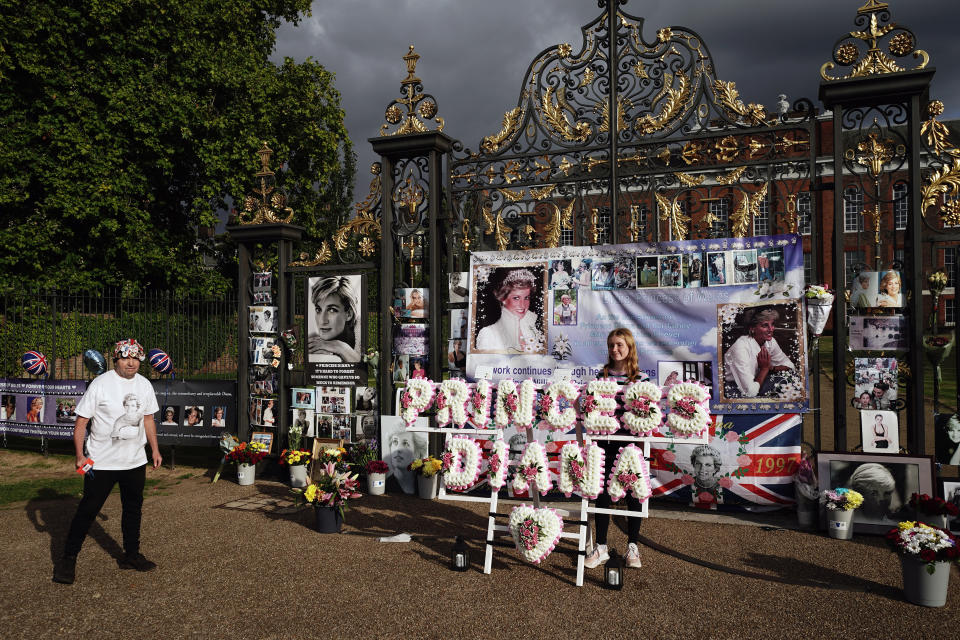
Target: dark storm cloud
474	53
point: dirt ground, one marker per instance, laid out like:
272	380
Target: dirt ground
240	562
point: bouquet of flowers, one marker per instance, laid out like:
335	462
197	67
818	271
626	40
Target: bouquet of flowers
247	453
295	435
842	499
362	453
376	466
929	544
937	348
819	300
334	455
805	479
294	457
333	488
427	467
934	506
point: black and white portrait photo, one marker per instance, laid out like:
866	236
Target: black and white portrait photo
510	314
263	319
333	313
947	438
760	349
400	448
458	281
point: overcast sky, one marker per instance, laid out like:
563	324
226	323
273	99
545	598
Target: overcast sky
474	53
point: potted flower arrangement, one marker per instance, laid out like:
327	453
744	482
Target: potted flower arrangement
297	460
361	453
805	484
329	495
925	556
335	455
426	470
933	510
246	455
840	504
376	477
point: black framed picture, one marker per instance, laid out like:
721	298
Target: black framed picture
885	481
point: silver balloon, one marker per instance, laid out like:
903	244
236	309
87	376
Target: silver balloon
94	361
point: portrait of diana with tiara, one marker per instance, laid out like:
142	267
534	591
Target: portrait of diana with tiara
510	311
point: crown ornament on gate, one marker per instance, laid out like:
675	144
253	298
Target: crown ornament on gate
270	207
863	50
417	104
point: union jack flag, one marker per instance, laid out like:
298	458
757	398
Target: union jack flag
757	456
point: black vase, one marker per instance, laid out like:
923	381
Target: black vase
329	519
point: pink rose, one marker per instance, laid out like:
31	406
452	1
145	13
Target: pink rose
725	482
731	436
686	479
668	456
744	460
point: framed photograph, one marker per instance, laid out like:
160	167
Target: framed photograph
878	333
333	400
561	274
692	270
778	328
365	399
510	308
411	303
265	437
343	428
368	426
717	268
886	482
263	319
458	323
193	416
410	339
947	438
303	418
670	271
875	381
334	306
324	426
770	265
218	416
262	280
565	307
303	398
602	277
880	432
951	493
889	293
261	351
459	286
745	266
863	291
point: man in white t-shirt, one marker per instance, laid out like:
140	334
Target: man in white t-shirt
118	408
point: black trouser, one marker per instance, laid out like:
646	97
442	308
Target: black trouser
96	489
603	501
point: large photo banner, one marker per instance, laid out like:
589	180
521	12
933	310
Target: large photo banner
39	408
723	312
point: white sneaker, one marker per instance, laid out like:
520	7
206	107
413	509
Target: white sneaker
596	557
633	556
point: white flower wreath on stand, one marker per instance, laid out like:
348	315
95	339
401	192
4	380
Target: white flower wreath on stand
581	470
600	406
514	406
688	417
630	472
461	461
498	465
560	420
416	399
480	404
535	531
642	414
452	398
533	465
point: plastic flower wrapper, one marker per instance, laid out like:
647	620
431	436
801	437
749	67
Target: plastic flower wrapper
819	301
805	479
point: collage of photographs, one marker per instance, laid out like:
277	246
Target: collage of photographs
458	294
876	379
345	413
214	416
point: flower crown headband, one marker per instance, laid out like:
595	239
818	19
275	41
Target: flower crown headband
128	349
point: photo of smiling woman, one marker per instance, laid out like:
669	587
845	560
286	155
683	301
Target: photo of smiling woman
510	311
760	348
333	333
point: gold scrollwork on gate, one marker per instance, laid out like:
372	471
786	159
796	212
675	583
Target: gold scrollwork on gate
511	122
749	208
671	211
496	227
729	98
674	100
555	115
559	219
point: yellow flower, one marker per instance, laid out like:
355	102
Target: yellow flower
903	526
854	499
310	493
333	452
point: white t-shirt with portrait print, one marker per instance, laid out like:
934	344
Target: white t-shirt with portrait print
115	406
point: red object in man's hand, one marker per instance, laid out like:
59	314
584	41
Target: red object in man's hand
86	466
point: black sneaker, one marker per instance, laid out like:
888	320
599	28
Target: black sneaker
65	570
136	561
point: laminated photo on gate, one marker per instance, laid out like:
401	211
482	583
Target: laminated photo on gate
720	311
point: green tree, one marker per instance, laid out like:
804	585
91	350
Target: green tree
126	125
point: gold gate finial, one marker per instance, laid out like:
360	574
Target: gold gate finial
270	207
419	106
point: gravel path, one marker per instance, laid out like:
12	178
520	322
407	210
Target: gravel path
237	562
